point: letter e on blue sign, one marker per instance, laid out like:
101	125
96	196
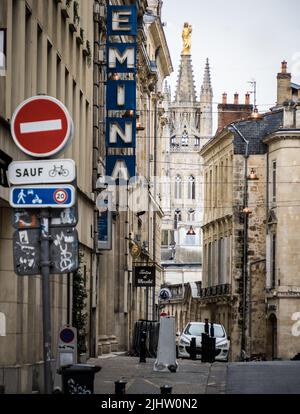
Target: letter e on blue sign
122	20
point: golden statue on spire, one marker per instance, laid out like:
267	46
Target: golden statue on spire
187	39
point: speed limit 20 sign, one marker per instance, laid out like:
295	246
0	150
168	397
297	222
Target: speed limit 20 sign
60	196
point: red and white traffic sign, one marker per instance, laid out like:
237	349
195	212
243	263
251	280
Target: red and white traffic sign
42	126
60	196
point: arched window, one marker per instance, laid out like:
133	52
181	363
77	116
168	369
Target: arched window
191	188
191	215
178	187
177	218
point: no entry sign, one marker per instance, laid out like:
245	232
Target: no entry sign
42	126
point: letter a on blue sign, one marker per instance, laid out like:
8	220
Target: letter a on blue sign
122	20
120	166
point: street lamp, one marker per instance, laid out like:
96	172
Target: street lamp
191	232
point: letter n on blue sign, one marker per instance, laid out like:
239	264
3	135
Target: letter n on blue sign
120	95
120	132
122	20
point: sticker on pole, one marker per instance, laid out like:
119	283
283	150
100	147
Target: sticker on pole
44	196
42	126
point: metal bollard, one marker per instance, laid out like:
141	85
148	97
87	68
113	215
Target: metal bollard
120	387
166	389
206	327
193	350
204	346
212	330
143	346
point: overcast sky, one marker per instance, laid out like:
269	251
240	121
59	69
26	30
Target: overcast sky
243	41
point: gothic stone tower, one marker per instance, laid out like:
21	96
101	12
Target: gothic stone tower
188	128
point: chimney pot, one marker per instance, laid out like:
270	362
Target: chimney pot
236	99
224	98
284	67
247	99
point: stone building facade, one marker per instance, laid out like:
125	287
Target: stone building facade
58	48
282	258
249	262
188	126
120	302
48	51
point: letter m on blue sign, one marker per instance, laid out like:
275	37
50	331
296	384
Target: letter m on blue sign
122	20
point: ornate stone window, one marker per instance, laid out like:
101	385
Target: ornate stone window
185	139
191	215
177	218
178	187
191	188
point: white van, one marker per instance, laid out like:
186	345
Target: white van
195	329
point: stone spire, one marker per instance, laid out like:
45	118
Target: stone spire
206	98
206	86
185	90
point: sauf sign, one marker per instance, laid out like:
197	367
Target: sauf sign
121	92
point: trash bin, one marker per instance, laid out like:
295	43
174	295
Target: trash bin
78	378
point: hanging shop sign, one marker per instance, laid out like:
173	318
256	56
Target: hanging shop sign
144	276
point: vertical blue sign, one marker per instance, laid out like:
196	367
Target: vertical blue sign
122	20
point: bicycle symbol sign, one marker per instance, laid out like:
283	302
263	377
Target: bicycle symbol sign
59	171
42	172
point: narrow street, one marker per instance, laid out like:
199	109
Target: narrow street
193	377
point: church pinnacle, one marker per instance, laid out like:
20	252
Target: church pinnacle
186	91
206	86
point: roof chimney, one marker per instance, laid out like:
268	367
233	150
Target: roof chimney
284	67
231	112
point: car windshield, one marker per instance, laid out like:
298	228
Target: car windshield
197	329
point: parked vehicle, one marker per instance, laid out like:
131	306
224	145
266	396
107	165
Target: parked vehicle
195	329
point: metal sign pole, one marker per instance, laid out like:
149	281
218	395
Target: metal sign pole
45	272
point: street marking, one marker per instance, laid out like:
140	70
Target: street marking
42	126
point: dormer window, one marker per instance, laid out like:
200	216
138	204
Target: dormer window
185	139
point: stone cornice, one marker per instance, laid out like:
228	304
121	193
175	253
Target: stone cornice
282	134
214	141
